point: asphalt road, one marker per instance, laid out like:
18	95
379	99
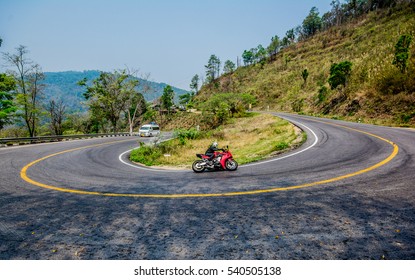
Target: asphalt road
347	193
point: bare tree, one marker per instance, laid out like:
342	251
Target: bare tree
137	107
29	87
57	112
136	104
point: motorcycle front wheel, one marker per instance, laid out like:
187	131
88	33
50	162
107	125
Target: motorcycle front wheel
231	165
198	166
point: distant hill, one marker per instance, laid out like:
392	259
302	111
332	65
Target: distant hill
64	85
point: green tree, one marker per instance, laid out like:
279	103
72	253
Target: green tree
312	23
229	67
7	106
260	53
402	52
285	42
167	98
79	123
248	57
216	110
225	105
274	46
290	34
212	68
110	95
194	84
339	74
150	114
28	87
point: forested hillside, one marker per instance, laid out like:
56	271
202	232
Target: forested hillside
355	62
35	103
65	85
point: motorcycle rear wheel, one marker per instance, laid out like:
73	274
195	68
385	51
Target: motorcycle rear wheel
231	165
198	166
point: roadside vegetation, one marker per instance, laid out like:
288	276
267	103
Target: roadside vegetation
355	62
250	138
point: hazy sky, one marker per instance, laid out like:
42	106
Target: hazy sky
171	40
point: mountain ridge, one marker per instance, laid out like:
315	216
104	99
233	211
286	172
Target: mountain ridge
63	85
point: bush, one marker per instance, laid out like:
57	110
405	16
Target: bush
297	106
13	131
339	73
322	94
407	117
147	155
72	132
184	134
402	52
393	83
282	146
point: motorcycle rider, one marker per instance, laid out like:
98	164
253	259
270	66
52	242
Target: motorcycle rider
211	152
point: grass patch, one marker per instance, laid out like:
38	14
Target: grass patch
249	138
147	155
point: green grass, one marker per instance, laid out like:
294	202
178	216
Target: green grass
146	155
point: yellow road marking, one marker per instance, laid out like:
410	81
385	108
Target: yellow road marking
23	174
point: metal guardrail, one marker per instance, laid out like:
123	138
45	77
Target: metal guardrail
55	138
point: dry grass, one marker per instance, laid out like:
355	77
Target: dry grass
249	139
367	43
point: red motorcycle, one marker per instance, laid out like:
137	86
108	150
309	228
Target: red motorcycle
221	161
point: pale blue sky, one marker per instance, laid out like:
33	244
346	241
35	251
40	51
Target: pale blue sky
171	40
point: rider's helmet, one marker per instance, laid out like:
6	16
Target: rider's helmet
215	144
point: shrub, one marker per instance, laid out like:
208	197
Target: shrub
282	146
392	83
147	155
297	106
402	52
322	94
184	134
304	75
339	73
72	132
407	117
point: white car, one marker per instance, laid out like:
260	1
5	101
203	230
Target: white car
149	130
